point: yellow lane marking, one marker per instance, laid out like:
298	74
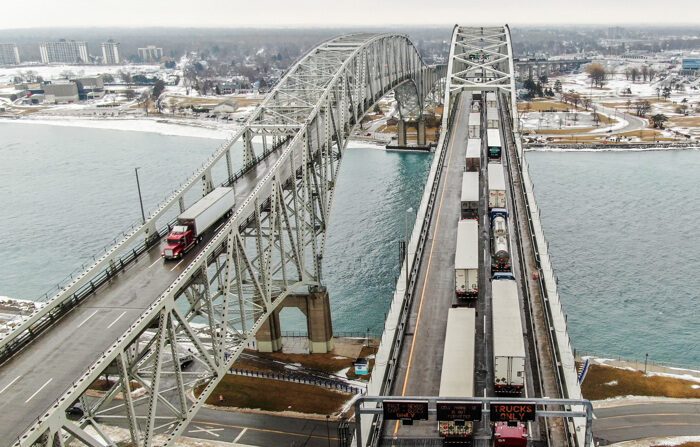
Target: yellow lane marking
266	430
427	271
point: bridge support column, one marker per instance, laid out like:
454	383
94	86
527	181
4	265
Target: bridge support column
402	132
316	308
318	317
421	132
269	336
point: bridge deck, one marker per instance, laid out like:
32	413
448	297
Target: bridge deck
420	361
42	372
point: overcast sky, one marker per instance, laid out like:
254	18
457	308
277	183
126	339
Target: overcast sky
318	13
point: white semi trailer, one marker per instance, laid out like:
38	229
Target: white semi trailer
473	154
475	125
497	186
467	259
457	376
470	195
508	342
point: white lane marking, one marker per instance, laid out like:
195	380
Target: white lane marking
9	384
484	325
112	323
240	435
37	391
157	261
484	392
85	320
177	265
209	431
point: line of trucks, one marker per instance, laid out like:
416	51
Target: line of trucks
457	378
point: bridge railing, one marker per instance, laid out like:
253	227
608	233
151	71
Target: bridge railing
558	335
61	305
397	319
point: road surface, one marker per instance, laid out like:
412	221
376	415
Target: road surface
654	419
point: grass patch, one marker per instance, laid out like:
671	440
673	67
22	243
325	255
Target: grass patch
320	362
603	382
684	121
273	395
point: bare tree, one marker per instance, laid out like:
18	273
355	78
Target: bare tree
575	99
643	107
596	117
597	74
645	72
652	74
586	102
634	73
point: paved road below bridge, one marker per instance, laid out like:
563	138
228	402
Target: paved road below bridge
653	419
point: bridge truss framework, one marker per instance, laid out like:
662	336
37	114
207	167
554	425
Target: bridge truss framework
271	247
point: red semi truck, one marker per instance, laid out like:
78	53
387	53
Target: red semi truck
510	434
197	219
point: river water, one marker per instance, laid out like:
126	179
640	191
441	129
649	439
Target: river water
620	227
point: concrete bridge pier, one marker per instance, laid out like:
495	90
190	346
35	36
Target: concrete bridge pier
401	130
315	305
421	132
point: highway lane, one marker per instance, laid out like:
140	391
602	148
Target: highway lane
420	362
34	378
652	419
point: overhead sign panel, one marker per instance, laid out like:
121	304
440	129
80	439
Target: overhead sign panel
459	411
405	410
513	411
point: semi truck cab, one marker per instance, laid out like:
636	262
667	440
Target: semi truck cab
180	239
510	434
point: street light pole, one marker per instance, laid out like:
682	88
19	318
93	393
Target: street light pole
138	186
408	212
646	358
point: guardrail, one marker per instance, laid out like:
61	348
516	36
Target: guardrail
545	278
395	339
62	307
525	289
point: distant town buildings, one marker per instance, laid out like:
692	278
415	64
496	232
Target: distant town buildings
90	87
66	51
110	52
150	54
61	92
691	63
9	54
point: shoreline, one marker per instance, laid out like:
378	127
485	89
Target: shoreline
183	127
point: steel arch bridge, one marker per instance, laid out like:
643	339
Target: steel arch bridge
271	247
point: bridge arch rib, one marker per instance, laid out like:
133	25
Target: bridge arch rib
271	247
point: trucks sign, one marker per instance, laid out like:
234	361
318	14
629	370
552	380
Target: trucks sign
513	411
458	411
405	410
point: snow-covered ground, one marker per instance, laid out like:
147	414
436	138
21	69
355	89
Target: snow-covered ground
13	311
165	126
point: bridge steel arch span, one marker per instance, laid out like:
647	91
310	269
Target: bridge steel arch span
481	59
180	347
